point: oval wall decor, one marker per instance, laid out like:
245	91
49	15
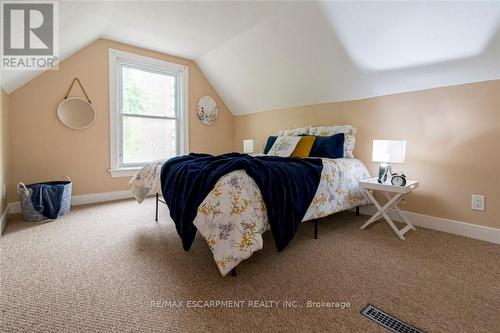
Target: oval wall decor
76	113
207	110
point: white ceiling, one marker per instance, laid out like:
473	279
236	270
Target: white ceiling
267	55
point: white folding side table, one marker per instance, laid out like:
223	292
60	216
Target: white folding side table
371	184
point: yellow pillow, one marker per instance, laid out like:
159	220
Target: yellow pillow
304	146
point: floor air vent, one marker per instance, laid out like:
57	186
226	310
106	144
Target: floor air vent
389	322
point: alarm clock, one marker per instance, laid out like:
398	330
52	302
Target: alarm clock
398	179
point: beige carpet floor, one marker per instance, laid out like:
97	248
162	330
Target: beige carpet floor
101	267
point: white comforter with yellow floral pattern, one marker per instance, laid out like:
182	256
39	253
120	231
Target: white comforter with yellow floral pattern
233	216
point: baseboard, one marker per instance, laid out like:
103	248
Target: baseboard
84	199
3	221
4	217
446	225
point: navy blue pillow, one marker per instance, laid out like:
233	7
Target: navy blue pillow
270	142
328	146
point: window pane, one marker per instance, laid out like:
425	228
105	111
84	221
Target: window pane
146	139
147	93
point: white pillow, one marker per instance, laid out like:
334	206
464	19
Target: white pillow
284	146
295	131
349	136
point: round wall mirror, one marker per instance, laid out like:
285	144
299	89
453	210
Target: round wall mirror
76	113
207	110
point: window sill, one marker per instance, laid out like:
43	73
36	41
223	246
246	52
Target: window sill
124	172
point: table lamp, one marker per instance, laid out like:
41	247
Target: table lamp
387	152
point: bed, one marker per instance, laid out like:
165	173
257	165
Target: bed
233	216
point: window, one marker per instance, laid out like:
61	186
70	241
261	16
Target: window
148	111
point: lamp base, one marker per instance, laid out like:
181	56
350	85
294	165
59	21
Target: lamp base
384	171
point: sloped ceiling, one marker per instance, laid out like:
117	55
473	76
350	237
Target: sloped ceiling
267	55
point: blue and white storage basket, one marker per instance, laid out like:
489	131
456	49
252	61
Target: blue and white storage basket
28	210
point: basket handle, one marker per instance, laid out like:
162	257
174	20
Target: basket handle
20	184
67	177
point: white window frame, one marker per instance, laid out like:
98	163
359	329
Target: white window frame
181	73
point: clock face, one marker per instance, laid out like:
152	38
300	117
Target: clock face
398	181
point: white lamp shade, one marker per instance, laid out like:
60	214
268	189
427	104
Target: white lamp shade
389	151
250	146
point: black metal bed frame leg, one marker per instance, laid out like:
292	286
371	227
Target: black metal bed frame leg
357	210
316	229
156	217
233	272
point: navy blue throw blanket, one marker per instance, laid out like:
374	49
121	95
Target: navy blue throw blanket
47	198
288	186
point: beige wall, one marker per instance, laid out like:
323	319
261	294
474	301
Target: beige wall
453	146
453	134
4	148
44	149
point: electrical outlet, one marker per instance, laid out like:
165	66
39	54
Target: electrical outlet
477	202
